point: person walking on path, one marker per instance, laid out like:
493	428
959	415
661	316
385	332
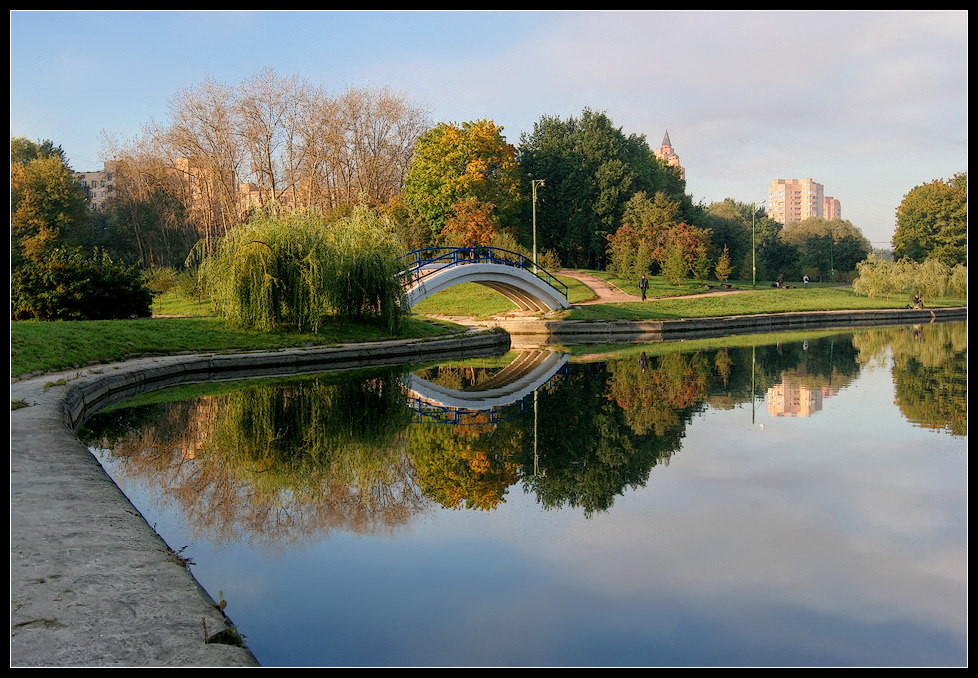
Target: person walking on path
643	285
805	279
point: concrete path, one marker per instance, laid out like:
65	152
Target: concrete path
91	584
604	292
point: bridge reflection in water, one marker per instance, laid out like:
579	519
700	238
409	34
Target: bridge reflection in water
504	395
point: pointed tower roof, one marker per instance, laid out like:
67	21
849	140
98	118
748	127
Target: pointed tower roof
665	139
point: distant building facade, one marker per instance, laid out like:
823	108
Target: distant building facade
99	184
668	153
833	209
792	200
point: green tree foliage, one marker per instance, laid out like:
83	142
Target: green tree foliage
730	224
723	269
957	285
906	277
591	170
455	166
824	245
296	269
932	222
653	232
773	255
637	246
23	150
675	267
65	285
48	207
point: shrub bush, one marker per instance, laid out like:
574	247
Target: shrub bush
69	286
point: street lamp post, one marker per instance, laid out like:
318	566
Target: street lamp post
534	183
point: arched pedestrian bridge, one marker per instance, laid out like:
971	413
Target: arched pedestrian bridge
431	270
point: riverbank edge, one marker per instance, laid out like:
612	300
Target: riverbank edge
91	583
556	332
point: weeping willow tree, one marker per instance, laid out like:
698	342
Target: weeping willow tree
299	268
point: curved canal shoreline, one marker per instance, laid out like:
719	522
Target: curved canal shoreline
92	584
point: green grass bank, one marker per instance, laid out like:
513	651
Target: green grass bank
39	347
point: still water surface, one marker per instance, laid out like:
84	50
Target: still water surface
777	500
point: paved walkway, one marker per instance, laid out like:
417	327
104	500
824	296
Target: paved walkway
606	293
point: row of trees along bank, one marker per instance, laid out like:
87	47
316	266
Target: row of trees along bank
225	154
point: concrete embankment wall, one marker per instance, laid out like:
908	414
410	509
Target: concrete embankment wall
619	331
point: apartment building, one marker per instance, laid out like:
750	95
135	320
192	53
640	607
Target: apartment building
99	183
791	200
832	208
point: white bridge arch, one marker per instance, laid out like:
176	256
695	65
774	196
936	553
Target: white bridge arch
429	271
529	372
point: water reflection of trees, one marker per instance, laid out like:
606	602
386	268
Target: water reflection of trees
466	466
586	451
274	463
281	461
930	371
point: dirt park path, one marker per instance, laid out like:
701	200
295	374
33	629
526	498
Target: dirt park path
606	293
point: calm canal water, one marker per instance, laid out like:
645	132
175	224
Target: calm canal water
771	500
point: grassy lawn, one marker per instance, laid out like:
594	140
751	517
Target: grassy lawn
659	287
744	303
172	303
55	346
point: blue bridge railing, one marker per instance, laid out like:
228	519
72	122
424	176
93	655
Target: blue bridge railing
424	263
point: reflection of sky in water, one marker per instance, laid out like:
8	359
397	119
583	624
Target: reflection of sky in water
838	539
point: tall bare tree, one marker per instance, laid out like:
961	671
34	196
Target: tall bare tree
273	138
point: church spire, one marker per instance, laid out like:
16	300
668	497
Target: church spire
668	153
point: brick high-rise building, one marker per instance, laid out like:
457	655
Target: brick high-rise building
791	200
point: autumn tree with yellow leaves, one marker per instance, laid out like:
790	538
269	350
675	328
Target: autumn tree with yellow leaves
456	167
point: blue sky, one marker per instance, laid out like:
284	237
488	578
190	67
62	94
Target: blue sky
869	104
